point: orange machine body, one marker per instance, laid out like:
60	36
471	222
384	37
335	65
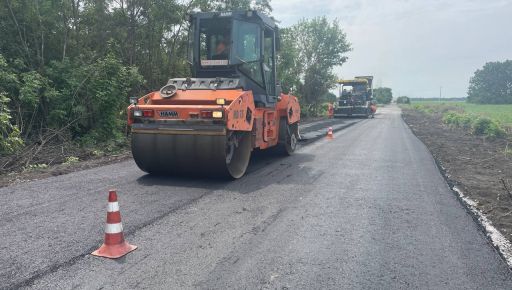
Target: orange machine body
239	113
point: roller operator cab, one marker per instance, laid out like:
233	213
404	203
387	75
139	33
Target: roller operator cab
355	98
208	124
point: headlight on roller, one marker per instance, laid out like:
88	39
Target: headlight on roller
137	113
217	114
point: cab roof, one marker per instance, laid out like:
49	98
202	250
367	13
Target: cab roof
238	14
353	82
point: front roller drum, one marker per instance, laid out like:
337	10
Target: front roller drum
195	155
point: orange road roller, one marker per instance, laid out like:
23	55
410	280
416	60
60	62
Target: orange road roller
209	124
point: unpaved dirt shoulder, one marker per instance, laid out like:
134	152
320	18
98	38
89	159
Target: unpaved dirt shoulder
479	167
35	174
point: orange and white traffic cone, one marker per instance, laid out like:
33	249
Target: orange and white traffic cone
114	245
329	134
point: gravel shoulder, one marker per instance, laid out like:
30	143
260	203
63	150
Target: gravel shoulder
16	177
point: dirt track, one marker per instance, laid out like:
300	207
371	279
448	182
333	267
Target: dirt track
480	167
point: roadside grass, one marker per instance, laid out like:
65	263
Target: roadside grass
499	113
493	121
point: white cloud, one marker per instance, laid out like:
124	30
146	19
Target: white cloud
415	46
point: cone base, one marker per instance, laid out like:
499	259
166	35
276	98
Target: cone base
114	251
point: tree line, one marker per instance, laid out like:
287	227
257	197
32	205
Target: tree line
492	84
383	95
68	67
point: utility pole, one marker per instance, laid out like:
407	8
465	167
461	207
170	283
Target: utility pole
440	93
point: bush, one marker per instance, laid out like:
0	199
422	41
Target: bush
477	125
423	108
324	109
383	95
403	100
10	140
487	127
480	125
464	120
484	126
460	120
495	131
313	110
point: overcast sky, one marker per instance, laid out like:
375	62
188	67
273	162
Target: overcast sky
414	46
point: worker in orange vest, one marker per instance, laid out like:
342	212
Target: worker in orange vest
373	107
330	111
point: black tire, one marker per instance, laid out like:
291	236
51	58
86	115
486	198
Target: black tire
288	137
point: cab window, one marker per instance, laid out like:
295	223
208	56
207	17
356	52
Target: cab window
247	50
269	62
214	40
248	47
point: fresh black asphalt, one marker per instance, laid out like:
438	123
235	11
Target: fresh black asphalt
367	210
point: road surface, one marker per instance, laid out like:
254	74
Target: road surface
367	210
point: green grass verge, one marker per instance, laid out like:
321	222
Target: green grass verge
499	113
494	121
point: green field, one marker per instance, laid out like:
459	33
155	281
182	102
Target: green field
500	113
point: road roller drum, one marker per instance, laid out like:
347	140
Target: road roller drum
197	155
